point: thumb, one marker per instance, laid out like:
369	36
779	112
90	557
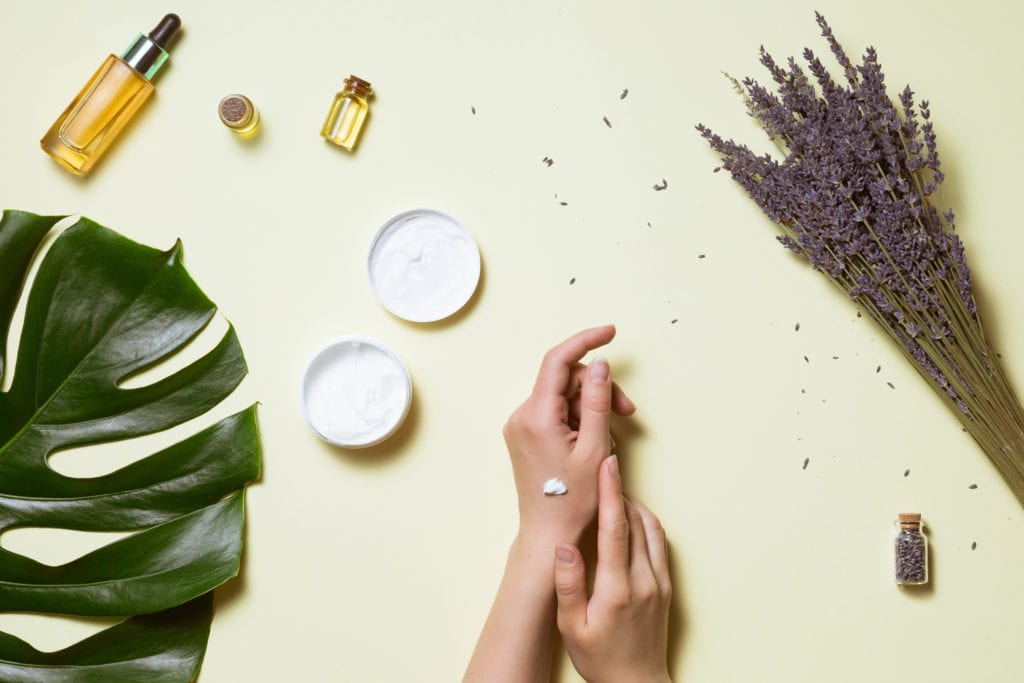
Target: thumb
595	406
570	588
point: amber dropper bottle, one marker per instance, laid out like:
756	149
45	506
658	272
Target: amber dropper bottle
80	136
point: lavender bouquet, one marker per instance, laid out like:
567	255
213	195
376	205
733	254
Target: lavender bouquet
852	196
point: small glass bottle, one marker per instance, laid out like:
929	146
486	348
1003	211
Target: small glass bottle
911	551
348	113
238	113
80	136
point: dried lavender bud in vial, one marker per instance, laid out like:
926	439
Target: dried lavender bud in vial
911	551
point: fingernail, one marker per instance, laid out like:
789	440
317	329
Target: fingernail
599	370
613	465
564	555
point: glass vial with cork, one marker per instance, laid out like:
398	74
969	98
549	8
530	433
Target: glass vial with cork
911	551
80	136
348	113
238	113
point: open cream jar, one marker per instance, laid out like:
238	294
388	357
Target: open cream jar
356	391
423	265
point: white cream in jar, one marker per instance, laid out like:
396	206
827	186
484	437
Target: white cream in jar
355	391
423	265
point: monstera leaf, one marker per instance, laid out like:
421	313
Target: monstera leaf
102	309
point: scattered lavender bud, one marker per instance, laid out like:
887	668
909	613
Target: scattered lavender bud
473	109
797	327
662	186
974	545
606	121
890	385
973	486
548	161
906	473
806	460
625	91
674	321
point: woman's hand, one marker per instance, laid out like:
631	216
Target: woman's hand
621	632
561	431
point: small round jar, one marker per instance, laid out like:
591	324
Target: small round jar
423	265
356	391
238	114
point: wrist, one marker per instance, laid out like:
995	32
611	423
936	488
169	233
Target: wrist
548	533
534	552
529	574
635	678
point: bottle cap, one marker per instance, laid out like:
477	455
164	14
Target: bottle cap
423	265
147	54
357	85
909	520
238	113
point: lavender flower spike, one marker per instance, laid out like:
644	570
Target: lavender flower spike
851	193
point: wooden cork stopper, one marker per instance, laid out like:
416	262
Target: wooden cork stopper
909	520
237	112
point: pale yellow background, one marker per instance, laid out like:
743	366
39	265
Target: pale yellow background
381	565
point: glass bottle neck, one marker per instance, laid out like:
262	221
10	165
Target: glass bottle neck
145	56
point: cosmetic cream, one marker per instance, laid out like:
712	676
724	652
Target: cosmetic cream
554	487
423	265
355	391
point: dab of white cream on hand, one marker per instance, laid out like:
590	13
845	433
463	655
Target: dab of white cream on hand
554	487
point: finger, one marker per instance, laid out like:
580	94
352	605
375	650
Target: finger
621	403
570	588
595	408
573	419
657	550
639	560
612	531
558	364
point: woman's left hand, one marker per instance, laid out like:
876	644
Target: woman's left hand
561	431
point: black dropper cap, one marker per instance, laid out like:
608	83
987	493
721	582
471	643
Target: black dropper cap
165	30
148	53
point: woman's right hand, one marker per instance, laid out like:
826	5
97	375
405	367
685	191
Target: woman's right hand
619	634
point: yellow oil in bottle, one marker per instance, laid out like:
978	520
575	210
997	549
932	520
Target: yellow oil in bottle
78	138
348	113
122	84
